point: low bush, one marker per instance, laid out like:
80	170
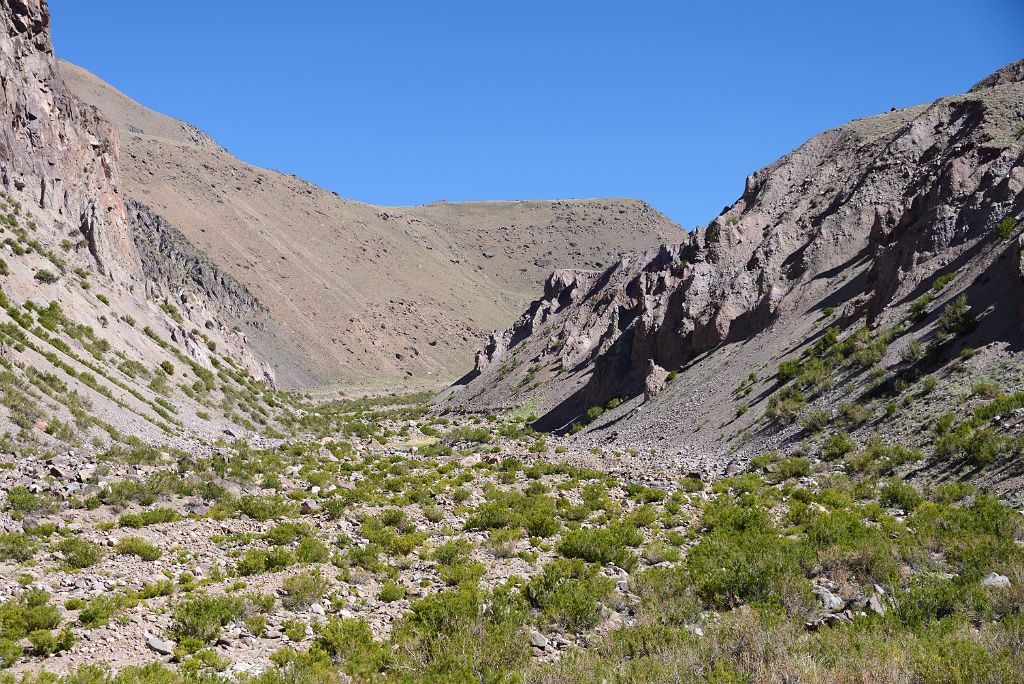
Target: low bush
465	634
602	545
264	508
303	590
150	517
137	546
17	546
743	557
785	406
202	617
98	610
80	553
956	319
569	593
258	561
1005	228
390	592
836	446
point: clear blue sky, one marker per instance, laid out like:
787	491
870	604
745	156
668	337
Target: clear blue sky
409	102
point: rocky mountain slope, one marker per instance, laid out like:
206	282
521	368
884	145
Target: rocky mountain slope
840	258
113	328
167	516
363	294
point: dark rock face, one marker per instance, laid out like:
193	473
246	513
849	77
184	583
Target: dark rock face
859	219
176	269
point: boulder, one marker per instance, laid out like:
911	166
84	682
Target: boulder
164	647
994	580
538	640
828	600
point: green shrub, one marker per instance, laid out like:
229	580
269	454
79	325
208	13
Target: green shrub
286	533
977	444
201	617
17	546
913	352
844	542
433	514
974	539
151	517
44	642
464	572
793	466
467	434
335	508
569	593
79	553
919	307
1005	228
390	592
45	276
788	370
22	501
349	642
312	550
743	557
536	514
98	610
786	405
264	508
602	545
258	561
879	458
465	634
816	421
137	546
836	446
956	319
303	590
900	495
10	652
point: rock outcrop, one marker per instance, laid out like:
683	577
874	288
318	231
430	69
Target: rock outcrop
89	274
851	227
55	149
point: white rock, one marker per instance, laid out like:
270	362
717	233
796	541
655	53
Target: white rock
996	581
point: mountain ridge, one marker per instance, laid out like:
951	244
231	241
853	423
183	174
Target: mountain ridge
857	221
371	296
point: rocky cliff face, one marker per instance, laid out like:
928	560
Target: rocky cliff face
850	228
59	159
98	294
56	151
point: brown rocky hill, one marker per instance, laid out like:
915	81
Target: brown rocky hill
843	257
359	293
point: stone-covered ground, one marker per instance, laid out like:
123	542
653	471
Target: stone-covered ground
383	542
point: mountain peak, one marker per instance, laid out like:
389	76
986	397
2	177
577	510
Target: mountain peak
1011	73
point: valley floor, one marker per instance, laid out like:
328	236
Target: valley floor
383	543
